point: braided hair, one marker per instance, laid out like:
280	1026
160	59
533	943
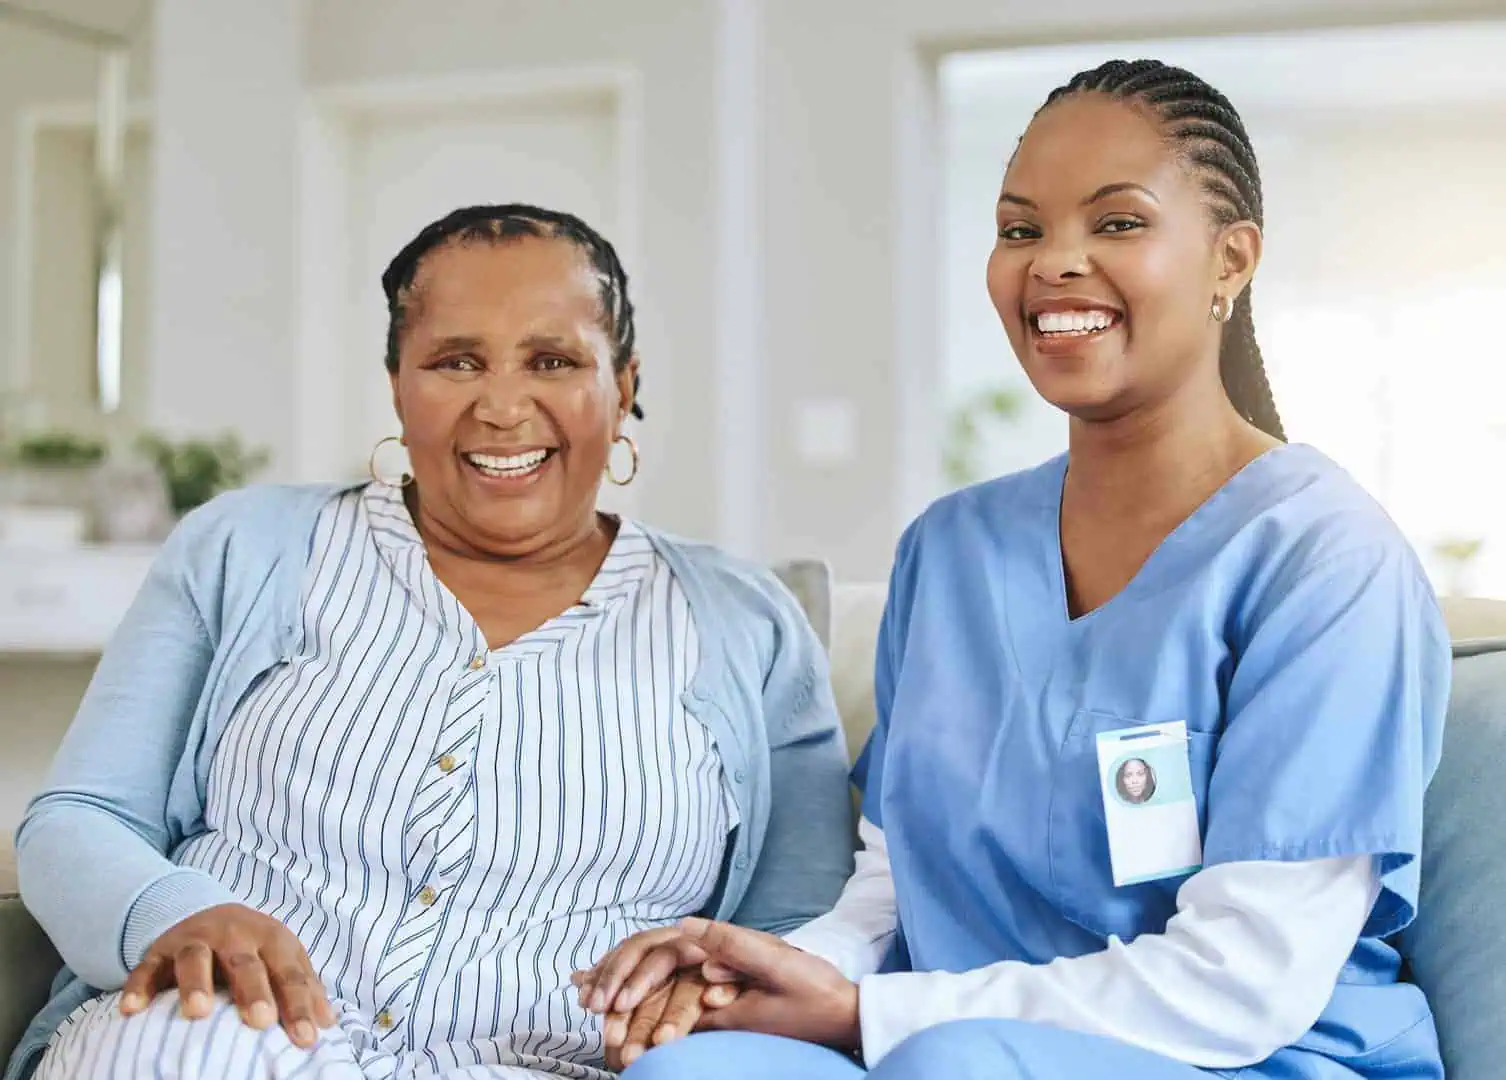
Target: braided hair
1203	126
499	224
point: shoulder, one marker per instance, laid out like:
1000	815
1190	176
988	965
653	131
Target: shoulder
736	586
256	523
1310	516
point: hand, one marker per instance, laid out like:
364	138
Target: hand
786	991
260	961
626	976
668	1013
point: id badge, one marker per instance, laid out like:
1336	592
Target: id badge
1148	805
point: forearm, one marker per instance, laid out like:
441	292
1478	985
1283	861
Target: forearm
1244	968
101	891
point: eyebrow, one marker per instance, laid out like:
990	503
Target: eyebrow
455	343
1102	193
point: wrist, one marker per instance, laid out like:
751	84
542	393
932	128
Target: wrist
848	1030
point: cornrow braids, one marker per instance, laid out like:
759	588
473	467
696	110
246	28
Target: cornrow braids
1204	127
499	224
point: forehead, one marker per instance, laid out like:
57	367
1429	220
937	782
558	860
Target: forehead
534	277
1083	142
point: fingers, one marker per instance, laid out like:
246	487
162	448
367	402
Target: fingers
193	970
299	995
600	985
682	1012
153	975
653	971
720	995
641	1023
249	985
735	948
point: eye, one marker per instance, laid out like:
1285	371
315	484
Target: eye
1120	225
1018	230
553	362
458	362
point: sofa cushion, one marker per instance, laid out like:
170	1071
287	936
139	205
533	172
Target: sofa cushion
1457	946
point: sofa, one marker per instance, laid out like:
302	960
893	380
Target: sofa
1456	950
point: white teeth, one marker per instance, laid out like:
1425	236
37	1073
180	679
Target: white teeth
512	465
1070	322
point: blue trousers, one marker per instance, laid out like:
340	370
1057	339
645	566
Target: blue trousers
962	1050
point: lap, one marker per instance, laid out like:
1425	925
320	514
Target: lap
98	1043
964	1050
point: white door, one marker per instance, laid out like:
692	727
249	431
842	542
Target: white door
407	167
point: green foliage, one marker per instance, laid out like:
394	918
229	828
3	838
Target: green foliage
197	470
964	432
58	449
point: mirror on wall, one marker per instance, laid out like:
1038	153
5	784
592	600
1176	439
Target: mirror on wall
74	218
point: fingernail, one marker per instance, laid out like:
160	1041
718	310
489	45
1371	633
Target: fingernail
132	1002
598	1001
197	1003
630	1054
665	1033
261	1014
627	1000
304	1033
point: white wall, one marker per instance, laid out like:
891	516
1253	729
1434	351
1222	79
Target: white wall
672	43
851	280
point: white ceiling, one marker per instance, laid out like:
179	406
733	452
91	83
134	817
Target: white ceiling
1458	63
122	17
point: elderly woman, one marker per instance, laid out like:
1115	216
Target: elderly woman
368	772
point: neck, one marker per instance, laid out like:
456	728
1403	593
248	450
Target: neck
559	560
1160	460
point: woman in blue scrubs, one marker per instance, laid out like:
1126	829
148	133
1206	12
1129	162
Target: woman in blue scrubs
1183	596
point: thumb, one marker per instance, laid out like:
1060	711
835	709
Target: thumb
737	948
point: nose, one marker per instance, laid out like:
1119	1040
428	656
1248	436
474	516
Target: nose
504	399
1060	260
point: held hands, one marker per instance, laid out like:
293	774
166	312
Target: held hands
260	961
748	981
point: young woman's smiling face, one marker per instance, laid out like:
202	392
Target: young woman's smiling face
1107	260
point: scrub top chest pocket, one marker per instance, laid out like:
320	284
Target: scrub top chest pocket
1130	796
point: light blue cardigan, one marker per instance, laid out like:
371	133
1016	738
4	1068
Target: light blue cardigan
221	606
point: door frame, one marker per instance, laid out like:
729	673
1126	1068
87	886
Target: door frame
327	127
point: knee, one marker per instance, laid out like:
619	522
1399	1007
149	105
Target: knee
712	1055
959	1050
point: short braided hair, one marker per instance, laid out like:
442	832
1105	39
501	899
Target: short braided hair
1205	127
499	224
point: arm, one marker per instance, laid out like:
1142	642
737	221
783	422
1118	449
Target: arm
807	848
1244	968
855	936
91	849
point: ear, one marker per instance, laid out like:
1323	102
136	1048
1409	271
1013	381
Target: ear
1236	256
626	379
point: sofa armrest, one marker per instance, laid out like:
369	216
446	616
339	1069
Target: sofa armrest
28	964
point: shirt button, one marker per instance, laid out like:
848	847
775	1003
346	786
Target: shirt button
741	862
384	1020
739	776
448	764
427	896
478	663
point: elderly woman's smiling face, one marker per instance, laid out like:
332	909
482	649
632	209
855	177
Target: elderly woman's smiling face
506	392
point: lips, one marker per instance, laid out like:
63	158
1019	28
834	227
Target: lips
509	466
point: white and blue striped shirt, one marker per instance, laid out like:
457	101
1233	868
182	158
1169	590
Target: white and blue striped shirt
452	830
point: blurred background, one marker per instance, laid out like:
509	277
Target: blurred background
197	198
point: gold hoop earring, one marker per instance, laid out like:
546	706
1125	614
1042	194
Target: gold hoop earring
1221	311
633	450
404	479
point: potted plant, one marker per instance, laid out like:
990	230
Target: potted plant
49	497
196	470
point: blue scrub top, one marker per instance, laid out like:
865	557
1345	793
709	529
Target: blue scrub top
1286	622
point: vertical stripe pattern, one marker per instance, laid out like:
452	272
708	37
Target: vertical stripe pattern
452	830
